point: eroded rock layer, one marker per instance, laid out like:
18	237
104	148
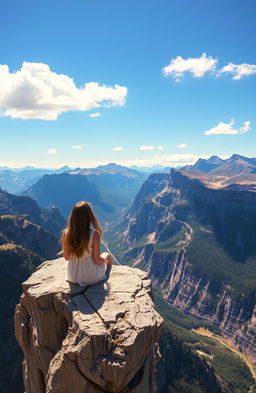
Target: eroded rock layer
103	340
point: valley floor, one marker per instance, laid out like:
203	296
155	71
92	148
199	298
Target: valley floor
251	366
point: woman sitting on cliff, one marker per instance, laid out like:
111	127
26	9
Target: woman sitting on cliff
81	248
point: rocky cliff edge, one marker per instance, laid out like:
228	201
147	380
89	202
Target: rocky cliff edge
103	340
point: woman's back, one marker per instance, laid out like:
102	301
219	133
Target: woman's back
84	271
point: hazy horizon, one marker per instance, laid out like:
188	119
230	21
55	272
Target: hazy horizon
224	157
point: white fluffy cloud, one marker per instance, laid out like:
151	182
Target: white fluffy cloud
197	66
95	114
228	128
146	147
52	151
36	92
118	148
239	70
182	146
77	147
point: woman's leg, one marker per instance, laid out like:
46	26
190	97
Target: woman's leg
76	289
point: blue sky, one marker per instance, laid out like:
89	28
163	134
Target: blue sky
126	43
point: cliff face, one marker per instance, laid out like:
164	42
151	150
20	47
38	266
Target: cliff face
100	341
16	265
198	245
28	235
19	231
215	304
231	212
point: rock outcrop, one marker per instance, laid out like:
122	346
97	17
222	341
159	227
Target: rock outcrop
103	340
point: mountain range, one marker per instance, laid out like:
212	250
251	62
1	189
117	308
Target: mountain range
235	165
17	180
109	188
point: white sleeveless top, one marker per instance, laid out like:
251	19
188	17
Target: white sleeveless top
84	271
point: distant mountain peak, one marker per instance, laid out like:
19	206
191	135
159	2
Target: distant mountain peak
237	157
65	168
215	158
205	164
212	159
110	165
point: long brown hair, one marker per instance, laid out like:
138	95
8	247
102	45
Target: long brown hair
75	237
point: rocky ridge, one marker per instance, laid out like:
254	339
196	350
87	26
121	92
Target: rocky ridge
17	205
234	165
17	230
103	340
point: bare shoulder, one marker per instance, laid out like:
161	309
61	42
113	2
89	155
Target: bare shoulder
95	238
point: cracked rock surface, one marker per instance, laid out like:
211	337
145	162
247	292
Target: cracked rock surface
103	340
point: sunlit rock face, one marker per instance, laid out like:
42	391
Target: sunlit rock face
103	340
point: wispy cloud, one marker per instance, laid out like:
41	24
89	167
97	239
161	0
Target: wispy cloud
52	151
182	146
36	92
77	147
197	66
146	147
118	148
245	128
95	114
160	147
173	160
165	160
238	70
228	128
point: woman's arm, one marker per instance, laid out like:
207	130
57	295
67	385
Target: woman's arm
65	248
96	251
66	254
